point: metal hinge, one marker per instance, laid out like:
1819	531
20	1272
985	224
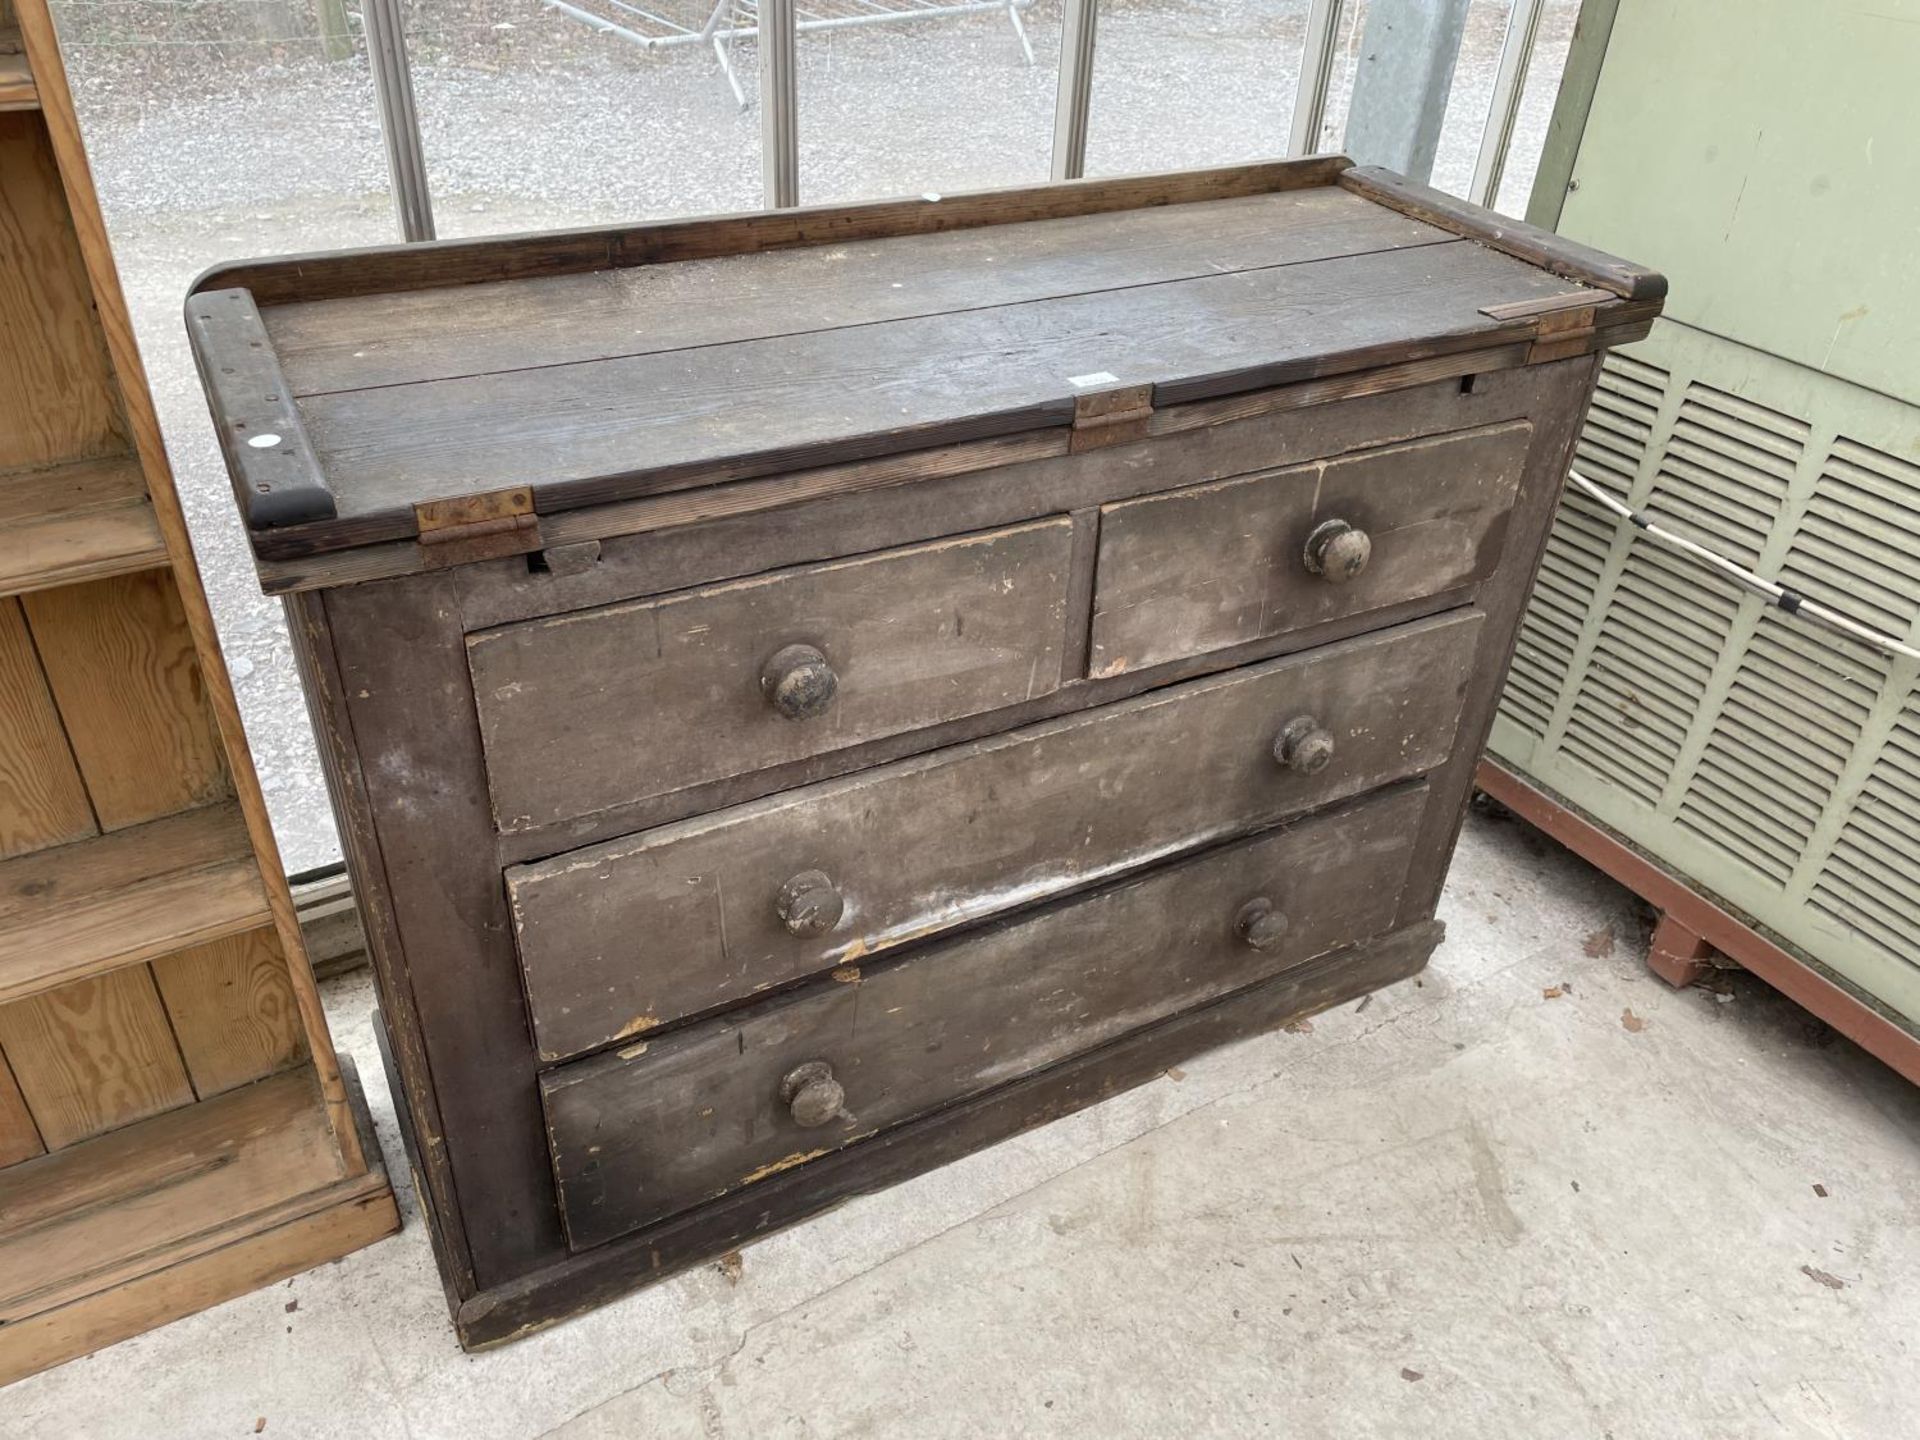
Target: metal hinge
1111	417
477	527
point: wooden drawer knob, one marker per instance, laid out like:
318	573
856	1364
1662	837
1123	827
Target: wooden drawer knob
798	682
1303	746
1261	926
1337	551
809	903
811	1094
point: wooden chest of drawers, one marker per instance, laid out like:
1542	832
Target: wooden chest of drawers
810	694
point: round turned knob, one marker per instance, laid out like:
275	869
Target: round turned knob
1303	746
811	1094
798	682
1337	551
1261	926
809	903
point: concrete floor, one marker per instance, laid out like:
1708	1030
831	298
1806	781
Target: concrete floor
1467	1208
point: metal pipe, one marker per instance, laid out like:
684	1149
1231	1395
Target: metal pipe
1503	111
1074	99
1316	76
779	106
399	121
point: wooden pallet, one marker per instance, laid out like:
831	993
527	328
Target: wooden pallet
174	1126
1693	927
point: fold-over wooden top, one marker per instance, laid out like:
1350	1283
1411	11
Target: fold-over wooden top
615	381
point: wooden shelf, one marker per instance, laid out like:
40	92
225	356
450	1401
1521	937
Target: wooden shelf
175	1204
17	90
76	522
126	896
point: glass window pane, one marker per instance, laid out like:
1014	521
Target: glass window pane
537	118
223	131
1178	85
902	97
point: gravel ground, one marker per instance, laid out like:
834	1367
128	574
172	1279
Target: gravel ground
210	152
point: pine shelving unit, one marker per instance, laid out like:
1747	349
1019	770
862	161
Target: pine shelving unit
175	1127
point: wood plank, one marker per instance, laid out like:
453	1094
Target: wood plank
276	480
94	1055
19	1136
581	1282
1511	237
77	522
17	90
233	1010
638	932
582	434
124	672
440	333
395	645
57	396
1199	569
42	801
647	1131
124	897
590	710
383	269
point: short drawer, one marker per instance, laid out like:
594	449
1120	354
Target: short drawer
1204	568
645	1132
587	711
620	937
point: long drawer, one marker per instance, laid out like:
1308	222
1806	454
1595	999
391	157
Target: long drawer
645	1132
1210	566
586	711
621	937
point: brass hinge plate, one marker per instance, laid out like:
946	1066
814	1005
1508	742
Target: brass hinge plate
1111	417
467	528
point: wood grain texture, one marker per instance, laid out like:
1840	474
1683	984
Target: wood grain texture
232	1009
1525	242
441	333
647	1131
601	708
294	278
1199	569
42	801
395	645
124	672
584	434
127	896
19	1136
580	1282
94	1055
76	522
625	936
58	401
141	425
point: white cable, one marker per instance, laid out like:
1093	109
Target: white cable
1783	598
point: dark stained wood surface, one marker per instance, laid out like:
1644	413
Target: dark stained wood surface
440	333
384	269
1199	569
642	1133
579	1282
591	432
599	708
628	935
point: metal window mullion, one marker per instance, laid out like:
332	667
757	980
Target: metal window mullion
1074	99
399	121
1316	76
1503	113
779	105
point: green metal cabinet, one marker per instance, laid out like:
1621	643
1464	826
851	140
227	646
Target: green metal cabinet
1764	154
